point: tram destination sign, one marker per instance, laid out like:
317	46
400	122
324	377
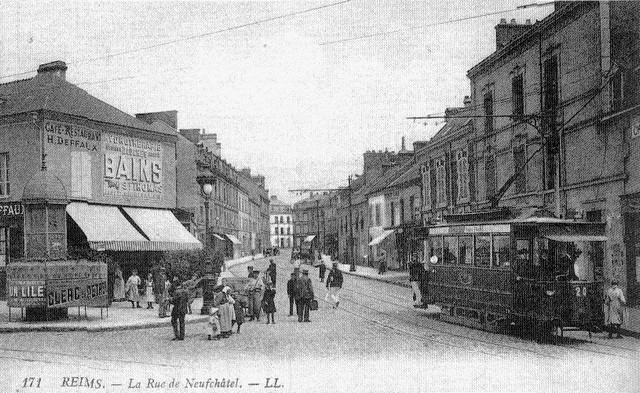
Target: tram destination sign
488	228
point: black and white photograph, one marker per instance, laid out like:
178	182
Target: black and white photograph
292	196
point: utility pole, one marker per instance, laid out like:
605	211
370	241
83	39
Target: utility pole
351	252
318	220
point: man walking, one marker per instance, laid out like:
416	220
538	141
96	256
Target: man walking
334	285
180	303
271	270
291	292
255	290
304	291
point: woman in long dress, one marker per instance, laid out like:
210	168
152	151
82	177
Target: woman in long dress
133	295
614	300
148	294
118	286
224	302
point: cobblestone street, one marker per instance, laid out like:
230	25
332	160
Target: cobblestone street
375	333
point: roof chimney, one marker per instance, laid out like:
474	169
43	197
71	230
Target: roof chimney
403	143
507	32
56	68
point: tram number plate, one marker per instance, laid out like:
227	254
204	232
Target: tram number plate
581	291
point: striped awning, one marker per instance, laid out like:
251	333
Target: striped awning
233	239
309	238
163	229
106	228
381	237
218	237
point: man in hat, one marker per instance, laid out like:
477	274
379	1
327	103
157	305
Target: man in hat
291	292
180	301
304	292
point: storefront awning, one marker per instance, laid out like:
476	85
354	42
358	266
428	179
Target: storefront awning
233	239
106	228
163	229
218	237
309	238
577	238
381	237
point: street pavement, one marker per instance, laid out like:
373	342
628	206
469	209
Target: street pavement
375	341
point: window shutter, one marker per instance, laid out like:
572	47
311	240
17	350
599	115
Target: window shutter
447	177
453	183
432	174
472	174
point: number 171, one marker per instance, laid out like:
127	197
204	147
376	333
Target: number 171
31	382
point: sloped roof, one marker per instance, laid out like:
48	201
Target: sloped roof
45	91
411	173
452	125
274	201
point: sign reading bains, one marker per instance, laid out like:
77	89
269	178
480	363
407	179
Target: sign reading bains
132	167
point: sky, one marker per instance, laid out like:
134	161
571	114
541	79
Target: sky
277	82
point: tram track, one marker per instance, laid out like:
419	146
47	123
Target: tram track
471	342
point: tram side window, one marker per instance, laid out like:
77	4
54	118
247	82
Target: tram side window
501	251
465	250
436	247
483	250
523	263
450	250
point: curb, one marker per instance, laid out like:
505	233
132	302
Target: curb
95	329
398	283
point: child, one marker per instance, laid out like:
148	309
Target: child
214	323
268	301
238	307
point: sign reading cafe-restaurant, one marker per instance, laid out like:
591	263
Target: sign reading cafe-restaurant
132	167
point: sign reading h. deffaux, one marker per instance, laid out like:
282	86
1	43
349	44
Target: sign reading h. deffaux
72	135
11	209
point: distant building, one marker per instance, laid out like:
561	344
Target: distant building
281	223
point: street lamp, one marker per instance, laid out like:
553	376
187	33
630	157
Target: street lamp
209	279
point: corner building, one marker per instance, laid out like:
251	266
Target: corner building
118	172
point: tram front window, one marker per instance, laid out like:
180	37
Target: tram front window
450	250
436	247
465	250
501	251
483	250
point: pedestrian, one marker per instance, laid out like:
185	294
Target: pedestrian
118	286
148	293
272	272
291	292
322	270
180	302
334	285
214	324
614	300
224	302
268	302
304	292
382	268
250	271
192	289
238	307
415	278
255	290
163	300
133	292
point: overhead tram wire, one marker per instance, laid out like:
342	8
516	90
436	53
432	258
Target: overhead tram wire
194	37
383	33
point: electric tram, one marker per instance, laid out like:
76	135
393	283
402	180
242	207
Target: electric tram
535	274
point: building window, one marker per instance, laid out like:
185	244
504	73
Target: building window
519	160
4	174
412	206
288	219
426	186
517	95
463	175
490	175
378	215
401	211
4	246
282	231
392	213
488	111
441	182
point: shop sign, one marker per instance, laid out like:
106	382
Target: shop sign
635	127
73	293
57	284
11	209
71	135
132	167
